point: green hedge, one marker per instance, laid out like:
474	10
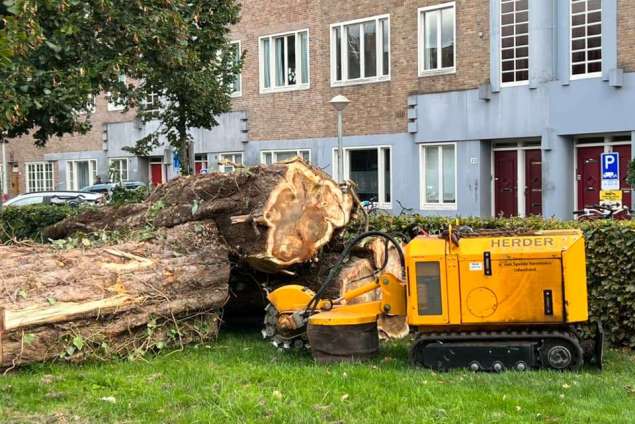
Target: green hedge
610	261
27	222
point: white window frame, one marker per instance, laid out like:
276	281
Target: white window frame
275	152
586	38
500	48
226	169
424	205
344	53
381	185
239	78
71	183
146	105
421	42
272	65
127	160
46	184
112	107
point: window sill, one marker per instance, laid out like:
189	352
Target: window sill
437	72
439	207
236	94
285	89
115	109
586	76
514	84
359	81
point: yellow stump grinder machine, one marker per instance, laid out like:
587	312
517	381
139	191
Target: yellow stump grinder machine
481	300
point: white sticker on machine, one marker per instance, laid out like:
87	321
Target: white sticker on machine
476	266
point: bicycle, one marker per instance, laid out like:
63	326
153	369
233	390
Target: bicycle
596	212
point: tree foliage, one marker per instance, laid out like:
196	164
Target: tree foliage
631	173
55	55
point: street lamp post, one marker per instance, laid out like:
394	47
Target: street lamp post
339	103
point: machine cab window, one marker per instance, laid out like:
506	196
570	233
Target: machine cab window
429	288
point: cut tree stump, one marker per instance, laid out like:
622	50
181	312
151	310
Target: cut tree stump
272	217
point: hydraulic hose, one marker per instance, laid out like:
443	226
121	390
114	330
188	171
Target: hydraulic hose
345	254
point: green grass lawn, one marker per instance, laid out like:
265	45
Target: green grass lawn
243	379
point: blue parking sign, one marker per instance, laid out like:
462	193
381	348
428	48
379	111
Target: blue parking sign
610	171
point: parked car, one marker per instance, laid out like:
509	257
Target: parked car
72	198
107	188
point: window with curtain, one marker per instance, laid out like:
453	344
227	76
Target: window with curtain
361	50
438	164
80	174
284	61
437	39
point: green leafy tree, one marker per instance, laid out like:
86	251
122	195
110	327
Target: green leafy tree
631	173
55	55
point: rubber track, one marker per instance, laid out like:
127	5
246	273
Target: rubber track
424	339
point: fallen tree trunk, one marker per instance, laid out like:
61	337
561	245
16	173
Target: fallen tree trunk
123	299
272	217
138	296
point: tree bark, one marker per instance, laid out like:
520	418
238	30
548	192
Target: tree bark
271	217
124	299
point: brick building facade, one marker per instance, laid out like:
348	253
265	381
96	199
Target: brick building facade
469	107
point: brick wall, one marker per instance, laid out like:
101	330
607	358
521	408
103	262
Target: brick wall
626	35
375	108
22	150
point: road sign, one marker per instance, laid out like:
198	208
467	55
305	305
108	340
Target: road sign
611	197
610	171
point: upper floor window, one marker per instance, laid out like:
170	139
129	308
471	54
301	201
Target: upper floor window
237	86
151	104
437	39
39	176
284	61
114	106
438	176
514	41
586	38
360	51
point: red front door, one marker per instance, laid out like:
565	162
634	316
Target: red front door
625	159
506	183
533	182
588	176
156	174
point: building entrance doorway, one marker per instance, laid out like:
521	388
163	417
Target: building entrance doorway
517	171
588	173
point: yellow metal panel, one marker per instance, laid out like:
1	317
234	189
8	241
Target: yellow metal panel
393	295
290	298
454	290
360	313
514	293
545	244
576	302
